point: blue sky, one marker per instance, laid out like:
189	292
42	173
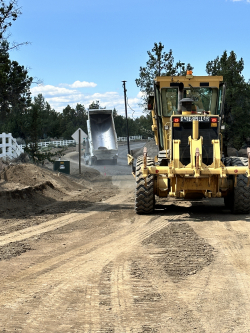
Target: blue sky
83	49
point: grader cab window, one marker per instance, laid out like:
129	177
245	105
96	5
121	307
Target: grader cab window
204	99
169	97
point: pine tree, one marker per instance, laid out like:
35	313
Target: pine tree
160	63
237	104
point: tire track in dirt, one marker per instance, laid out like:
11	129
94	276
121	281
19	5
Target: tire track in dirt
158	300
172	310
72	273
50	225
147	300
226	306
62	261
118	283
77	264
91	301
122	304
105	300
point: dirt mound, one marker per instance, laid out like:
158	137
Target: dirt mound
27	190
23	175
183	252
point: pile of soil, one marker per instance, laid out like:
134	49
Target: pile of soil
181	251
31	194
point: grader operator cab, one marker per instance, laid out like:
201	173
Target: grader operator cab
187	114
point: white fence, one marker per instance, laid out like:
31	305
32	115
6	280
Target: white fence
9	147
131	138
67	142
54	143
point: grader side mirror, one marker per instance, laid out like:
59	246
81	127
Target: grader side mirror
223	96
150	102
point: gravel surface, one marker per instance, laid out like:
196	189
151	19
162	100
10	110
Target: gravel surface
75	258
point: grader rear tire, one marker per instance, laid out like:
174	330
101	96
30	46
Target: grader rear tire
144	195
239	200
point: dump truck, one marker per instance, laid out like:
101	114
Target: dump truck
188	122
101	143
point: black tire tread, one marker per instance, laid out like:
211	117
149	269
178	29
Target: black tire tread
144	195
239	200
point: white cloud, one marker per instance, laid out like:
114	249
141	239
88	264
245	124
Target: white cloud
60	97
141	94
83	84
51	90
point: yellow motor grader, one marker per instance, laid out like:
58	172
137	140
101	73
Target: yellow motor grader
187	114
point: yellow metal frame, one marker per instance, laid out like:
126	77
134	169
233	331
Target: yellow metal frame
216	168
178	180
196	177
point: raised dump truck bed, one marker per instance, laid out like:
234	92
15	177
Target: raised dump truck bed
102	140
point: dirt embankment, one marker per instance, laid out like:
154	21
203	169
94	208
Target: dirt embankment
31	195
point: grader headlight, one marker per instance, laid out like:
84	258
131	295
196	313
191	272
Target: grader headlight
214	121
176	122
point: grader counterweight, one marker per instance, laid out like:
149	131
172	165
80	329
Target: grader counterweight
187	114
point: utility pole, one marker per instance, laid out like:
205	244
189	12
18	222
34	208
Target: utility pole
126	113
79	151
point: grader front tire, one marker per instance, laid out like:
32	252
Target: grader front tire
144	193
239	200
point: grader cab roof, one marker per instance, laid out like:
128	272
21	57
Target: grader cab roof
195	81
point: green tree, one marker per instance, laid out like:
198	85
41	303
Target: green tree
115	113
50	122
33	131
120	125
71	119
14	80
39	121
67	122
138	126
96	105
237	103
14	84
144	125
81	117
9	12
160	63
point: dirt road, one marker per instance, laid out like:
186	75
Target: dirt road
101	268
